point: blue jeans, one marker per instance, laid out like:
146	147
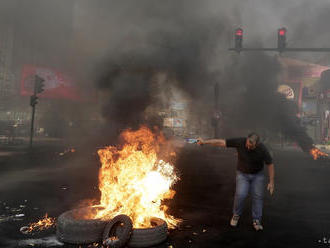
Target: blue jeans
253	183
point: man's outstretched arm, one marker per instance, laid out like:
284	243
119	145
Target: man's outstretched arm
213	142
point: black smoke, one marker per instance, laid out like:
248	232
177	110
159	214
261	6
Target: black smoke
192	52
130	95
252	101
183	52
120	46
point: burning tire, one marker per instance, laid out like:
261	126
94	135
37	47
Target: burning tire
118	231
145	237
73	229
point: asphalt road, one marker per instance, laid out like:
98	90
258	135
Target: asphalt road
47	181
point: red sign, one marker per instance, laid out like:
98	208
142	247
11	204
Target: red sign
314	71
57	85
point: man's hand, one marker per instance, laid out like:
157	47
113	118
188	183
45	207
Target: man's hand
200	141
270	187
271	173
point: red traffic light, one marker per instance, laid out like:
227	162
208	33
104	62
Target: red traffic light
239	32
282	31
238	39
281	39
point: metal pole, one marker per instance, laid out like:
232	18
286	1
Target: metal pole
32	124
33	112
216	109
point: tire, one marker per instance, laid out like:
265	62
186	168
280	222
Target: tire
145	237
71	230
119	227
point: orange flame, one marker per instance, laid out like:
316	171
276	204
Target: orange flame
316	153
40	225
133	181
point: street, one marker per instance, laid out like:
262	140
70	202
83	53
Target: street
48	180
128	105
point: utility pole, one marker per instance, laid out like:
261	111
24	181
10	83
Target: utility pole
216	114
38	88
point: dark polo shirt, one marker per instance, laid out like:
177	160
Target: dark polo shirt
250	161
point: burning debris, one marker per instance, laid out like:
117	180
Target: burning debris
69	150
45	223
317	153
134	181
64	187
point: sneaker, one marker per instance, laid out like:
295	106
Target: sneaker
257	225
234	220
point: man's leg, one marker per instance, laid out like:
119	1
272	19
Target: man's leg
242	190
257	193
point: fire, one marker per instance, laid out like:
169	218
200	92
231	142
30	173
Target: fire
134	181
45	223
316	153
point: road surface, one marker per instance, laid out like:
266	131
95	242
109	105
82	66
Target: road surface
52	180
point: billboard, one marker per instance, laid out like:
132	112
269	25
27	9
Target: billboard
57	85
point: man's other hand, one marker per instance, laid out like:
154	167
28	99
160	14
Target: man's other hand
270	187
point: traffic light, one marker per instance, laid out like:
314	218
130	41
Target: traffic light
281	39
33	100
238	39
39	84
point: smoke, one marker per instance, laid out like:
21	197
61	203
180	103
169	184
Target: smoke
253	80
193	52
120	48
41	32
129	98
182	51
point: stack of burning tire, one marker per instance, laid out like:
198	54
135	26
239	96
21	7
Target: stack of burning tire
116	232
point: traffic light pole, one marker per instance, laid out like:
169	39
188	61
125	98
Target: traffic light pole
33	114
38	88
32	124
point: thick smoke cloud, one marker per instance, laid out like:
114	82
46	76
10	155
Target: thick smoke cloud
130	96
119	47
253	80
193	52
180	45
